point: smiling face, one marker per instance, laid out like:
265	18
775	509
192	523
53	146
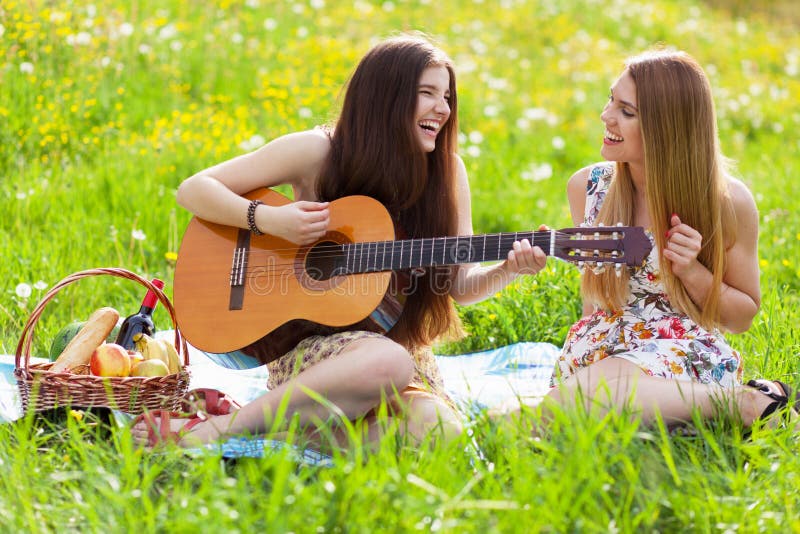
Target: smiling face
433	105
622	140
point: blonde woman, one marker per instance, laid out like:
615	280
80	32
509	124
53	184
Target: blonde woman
652	337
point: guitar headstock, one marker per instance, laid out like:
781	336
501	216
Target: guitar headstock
597	246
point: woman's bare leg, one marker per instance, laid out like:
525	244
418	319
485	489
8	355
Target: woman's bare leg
614	383
366	372
416	414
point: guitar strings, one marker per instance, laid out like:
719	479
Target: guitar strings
371	251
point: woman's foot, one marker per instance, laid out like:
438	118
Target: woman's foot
762	398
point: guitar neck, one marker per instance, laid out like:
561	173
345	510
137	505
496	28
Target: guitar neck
425	252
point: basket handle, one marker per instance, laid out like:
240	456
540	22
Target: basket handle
26	339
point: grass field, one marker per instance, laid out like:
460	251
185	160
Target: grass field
106	107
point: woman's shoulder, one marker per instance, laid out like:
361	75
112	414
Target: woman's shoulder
741	197
589	177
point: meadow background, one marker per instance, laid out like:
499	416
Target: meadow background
106	106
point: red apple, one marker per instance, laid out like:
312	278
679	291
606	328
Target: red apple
110	359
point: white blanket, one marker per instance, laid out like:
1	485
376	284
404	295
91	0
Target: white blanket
476	380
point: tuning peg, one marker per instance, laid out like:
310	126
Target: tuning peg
615	235
618	270
620	224
581	267
599	267
600	224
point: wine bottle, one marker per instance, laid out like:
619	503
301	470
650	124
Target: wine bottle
141	322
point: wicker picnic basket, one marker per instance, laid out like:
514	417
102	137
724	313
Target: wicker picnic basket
42	389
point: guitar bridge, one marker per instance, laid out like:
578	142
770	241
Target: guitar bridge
239	270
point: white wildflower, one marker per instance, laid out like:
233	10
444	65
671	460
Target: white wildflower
40	285
138	235
83	39
126	29
475	137
558	143
26	67
167	32
491	110
473	151
253	143
270	24
317	4
537	173
388	6
23	290
305	113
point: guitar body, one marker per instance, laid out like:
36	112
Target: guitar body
221	308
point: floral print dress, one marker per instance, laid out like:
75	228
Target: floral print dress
648	332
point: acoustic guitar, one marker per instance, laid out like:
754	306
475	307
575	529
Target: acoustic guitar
233	289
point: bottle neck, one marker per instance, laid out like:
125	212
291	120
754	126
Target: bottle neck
151	299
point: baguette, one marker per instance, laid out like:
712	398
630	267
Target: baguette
80	348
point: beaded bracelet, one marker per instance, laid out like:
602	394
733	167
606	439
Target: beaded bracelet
251	217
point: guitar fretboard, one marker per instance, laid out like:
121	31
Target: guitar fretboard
408	253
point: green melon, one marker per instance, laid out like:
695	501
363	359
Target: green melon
66	334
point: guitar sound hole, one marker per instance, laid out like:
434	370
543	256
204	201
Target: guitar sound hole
324	260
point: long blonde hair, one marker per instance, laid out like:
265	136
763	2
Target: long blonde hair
684	174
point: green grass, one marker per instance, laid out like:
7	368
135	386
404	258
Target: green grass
99	124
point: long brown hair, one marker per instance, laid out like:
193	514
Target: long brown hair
376	152
684	174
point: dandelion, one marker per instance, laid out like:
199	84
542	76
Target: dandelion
171	256
475	137
145	49
167	32
252	4
388	6
237	38
26	67
23	290
317	4
270	24
126	29
83	39
2	30
305	113
76	414
473	151
302	32
40	285
536	114
763	263
537	173
253	143
491	110
558	143
138	235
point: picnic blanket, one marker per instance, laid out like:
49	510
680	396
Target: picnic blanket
475	381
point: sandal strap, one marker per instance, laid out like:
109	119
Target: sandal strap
765	389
